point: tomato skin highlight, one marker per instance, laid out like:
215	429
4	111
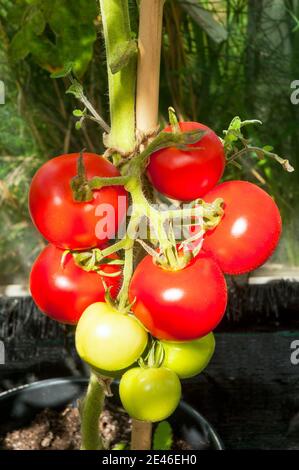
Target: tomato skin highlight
188	175
61	220
150	394
64	291
190	358
249	230
109	340
179	305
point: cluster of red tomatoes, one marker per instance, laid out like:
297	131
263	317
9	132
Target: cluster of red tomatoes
60	288
180	308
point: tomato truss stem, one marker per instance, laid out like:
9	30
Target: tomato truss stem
127	274
98	182
120	245
91	408
76	89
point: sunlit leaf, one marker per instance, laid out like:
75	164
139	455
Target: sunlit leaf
205	20
163	437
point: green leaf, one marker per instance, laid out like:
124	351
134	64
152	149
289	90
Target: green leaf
205	20
179	140
120	446
76	89
64	72
20	46
72	23
47	7
32	26
234	137
268	148
45	54
78	113
251	122
122	55
235	124
234	134
163	437
16	14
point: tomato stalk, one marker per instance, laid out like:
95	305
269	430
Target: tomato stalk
122	87
90	409
121	140
121	64
142	207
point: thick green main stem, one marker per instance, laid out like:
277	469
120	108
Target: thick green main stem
122	89
91	408
122	85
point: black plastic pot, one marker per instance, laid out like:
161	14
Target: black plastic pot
19	406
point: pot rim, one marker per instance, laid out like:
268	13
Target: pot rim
81	380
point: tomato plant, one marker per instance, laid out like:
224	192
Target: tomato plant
188	174
177	293
249	230
107	339
188	358
63	290
65	222
179	305
150	394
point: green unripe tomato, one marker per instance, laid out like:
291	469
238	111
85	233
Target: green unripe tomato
109	340
189	358
150	394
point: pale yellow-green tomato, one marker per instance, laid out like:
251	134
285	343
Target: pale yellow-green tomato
150	394
189	358
109	340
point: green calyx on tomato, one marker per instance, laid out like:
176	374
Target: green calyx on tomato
188	358
108	340
187	175
79	183
69	224
150	394
62	290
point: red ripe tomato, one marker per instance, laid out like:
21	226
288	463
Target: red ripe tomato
63	290
69	224
188	175
249	231
179	305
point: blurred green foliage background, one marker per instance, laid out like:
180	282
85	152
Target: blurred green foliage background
220	58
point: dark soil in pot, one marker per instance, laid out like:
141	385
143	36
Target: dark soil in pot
43	416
